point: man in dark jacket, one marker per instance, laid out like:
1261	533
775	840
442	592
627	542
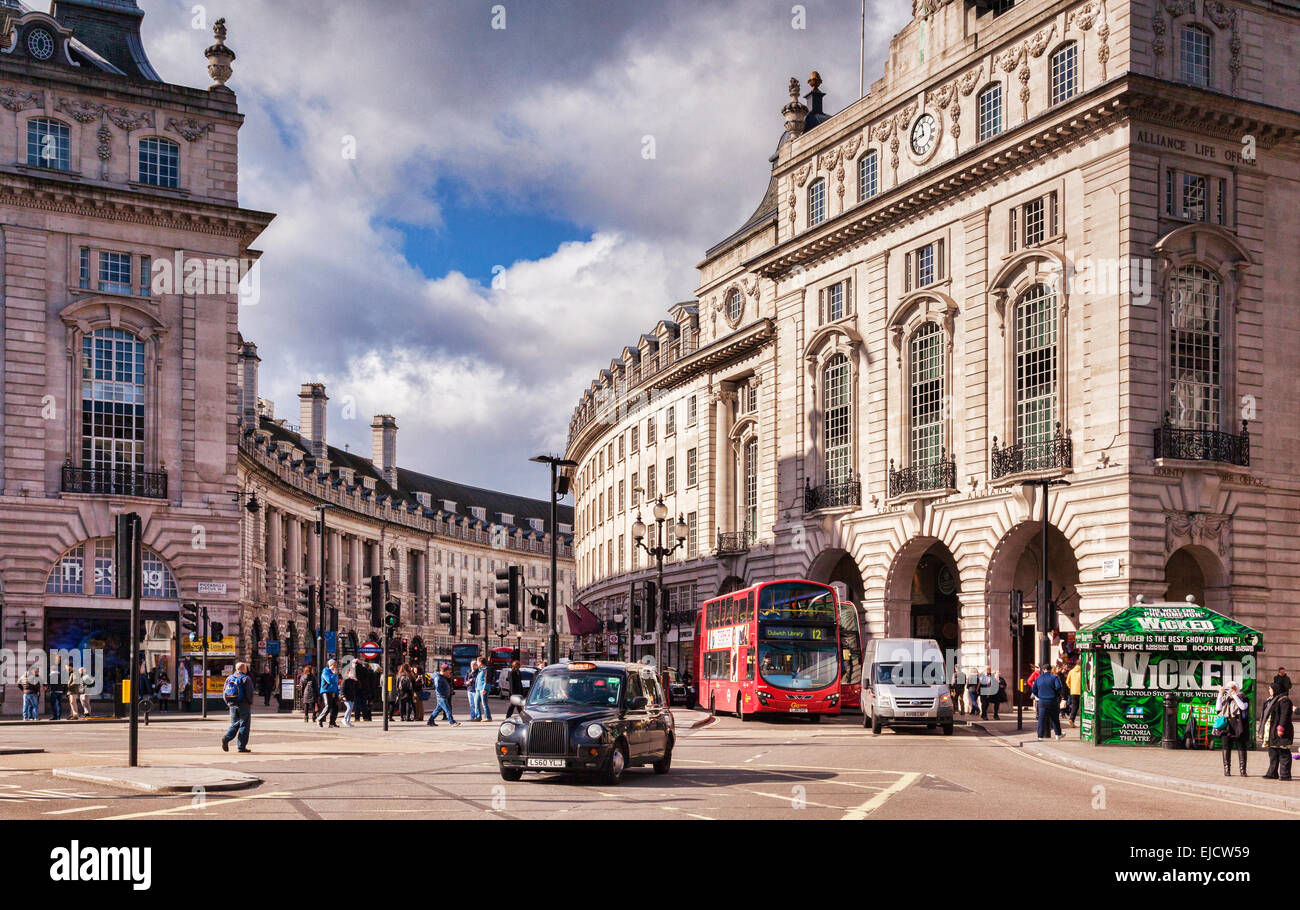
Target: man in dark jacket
442	690
1281	682
514	686
1277	733
241	708
1047	691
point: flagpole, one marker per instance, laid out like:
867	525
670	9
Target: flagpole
862	54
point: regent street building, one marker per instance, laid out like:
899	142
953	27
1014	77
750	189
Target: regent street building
1055	242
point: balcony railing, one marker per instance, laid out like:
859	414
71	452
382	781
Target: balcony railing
114	482
732	542
1042	455
920	478
1202	445
841	494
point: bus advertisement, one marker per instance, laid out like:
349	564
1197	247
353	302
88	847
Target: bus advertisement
770	648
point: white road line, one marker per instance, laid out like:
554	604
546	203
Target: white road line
77	809
198	804
871	805
707	818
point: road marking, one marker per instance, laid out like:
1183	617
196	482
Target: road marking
198	804
871	805
77	809
707	818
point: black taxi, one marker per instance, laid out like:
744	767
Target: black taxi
589	717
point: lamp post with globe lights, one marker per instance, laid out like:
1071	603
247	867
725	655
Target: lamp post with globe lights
659	551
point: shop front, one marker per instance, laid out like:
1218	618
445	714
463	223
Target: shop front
101	637
1149	668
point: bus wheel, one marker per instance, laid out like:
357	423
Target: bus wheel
876	726
713	708
740	709
815	718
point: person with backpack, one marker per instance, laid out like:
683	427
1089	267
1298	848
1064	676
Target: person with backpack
238	695
329	690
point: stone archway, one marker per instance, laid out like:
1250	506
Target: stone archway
923	593
1198	572
837	567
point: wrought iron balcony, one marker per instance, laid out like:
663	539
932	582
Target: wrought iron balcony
920	478
114	482
1202	445
733	542
842	494
1043	455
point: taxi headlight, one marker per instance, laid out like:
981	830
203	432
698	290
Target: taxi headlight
595	731
507	729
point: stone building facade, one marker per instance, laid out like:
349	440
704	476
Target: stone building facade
1055	242
118	379
426	536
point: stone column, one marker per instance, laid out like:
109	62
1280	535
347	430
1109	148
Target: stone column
275	582
293	571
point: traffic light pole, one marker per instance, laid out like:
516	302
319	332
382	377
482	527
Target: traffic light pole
133	748
204	696
554	642
383	674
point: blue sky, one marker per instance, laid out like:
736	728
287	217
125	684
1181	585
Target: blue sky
511	153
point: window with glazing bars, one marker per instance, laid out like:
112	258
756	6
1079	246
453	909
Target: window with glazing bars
1196	56
1195	385
751	489
1036	365
47	144
692	535
692	467
868	175
115	273
1065	73
926	392
112	401
817	202
83	269
837	406
692	411
160	161
650	486
990	112
670	475
67	575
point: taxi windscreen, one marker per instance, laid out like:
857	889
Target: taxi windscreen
576	687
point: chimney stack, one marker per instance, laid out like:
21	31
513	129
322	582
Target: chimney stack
311	417
383	447
248	361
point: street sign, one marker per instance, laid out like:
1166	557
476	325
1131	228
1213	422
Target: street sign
370	650
272	647
212	587
331	641
613	639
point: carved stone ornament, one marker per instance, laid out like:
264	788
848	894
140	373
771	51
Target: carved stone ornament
904	117
105	137
940	96
968	82
1009	59
189	128
1083	17
1038	43
81	111
1176	8
801	175
16	100
129	120
883	130
1220	13
1198	527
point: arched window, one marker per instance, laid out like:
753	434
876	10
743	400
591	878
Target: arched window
1196	56
160	162
47	144
735	306
868	175
69	576
1036	365
112	405
926	394
990	112
837	407
817	202
1195	345
750	475
1065	72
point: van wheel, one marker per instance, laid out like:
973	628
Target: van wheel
511	774
876	726
947	729
866	719
617	765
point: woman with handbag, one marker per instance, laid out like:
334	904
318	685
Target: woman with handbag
1277	732
1230	725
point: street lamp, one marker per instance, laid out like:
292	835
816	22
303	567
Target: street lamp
659	551
559	486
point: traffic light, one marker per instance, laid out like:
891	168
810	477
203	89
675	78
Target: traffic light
190	619
447	610
307	600
540	613
402	645
508	589
214	631
1017	611
649	603
376	601
393	613
475	628
126	539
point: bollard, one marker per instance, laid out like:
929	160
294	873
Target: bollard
1170	739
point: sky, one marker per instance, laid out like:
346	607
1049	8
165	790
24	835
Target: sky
479	204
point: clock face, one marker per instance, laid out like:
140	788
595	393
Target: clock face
924	132
40	44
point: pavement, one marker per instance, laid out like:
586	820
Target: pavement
1195	771
162	778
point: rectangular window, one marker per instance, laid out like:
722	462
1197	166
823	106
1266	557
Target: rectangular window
670	421
670	475
609	502
622	551
621	489
1195	197
636	432
83	271
925	266
115	273
692	467
990	112
1065	78
650	431
146	266
692	535
692	412
836	301
868	181
47	144
650	487
621	440
1034	223
160	162
636	491
816	203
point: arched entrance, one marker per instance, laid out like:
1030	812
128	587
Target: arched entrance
1197	572
923	594
835	567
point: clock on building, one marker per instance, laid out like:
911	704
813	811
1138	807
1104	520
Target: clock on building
40	44
924	133
946	583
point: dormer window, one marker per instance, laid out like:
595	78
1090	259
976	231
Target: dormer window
47	144
160	162
479	512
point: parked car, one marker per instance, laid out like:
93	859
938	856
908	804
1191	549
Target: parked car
679	693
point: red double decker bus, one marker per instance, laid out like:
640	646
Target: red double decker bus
771	648
851	656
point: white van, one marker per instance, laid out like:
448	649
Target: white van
905	685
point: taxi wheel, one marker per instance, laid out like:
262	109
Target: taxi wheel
511	774
665	763
617	765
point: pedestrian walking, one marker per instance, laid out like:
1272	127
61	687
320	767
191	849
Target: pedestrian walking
1047	693
1277	733
164	688
987	689
479	691
1000	696
30	685
55	692
365	683
238	695
307	686
329	690
442	690
1231	724
1074	685
1281	682
183	685
405	687
514	686
86	682
72	683
973	692
350	688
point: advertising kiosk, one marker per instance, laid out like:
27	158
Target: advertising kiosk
1149	668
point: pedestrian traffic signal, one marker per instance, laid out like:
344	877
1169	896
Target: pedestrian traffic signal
648	602
447	611
376	601
475	628
540	613
393	614
190	619
307	600
1017	611
508	588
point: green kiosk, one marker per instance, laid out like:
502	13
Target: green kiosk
1148	668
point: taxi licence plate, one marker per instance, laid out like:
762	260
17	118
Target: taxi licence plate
798	709
546	763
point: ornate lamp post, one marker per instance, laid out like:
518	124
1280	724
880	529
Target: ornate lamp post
659	551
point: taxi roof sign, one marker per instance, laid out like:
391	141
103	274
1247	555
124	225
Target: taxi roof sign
581	665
